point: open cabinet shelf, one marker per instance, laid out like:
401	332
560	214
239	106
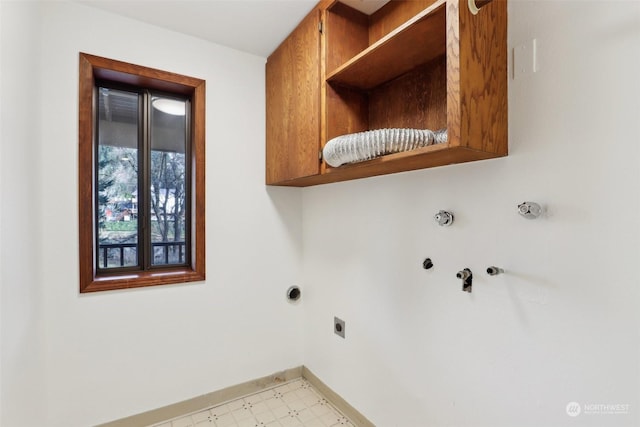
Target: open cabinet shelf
395	54
421	64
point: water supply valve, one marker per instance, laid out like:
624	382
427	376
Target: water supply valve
530	210
467	277
444	218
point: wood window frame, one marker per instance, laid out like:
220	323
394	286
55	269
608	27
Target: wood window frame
94	67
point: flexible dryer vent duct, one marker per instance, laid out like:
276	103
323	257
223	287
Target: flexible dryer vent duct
357	147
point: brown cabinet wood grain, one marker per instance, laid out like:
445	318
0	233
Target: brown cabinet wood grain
293	104
427	64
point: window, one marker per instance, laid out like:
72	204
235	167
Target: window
141	176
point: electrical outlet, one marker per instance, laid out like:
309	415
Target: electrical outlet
338	326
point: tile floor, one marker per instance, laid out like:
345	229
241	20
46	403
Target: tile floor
292	404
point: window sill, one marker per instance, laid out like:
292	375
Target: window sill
142	279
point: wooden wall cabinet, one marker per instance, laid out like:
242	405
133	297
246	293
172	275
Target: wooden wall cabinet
412	64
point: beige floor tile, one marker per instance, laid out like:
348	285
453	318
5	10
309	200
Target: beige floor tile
247	422
242	413
201	416
265	417
183	422
330	419
320	409
225	420
297	405
234	404
292	404
281	411
306	415
289	422
274	403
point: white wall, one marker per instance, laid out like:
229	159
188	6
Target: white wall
1	227
21	311
78	360
562	324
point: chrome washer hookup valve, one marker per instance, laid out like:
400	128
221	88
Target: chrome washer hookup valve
467	279
494	271
444	218
530	210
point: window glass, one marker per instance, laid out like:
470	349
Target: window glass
168	185
117	179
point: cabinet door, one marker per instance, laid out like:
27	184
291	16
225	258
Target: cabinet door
293	104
